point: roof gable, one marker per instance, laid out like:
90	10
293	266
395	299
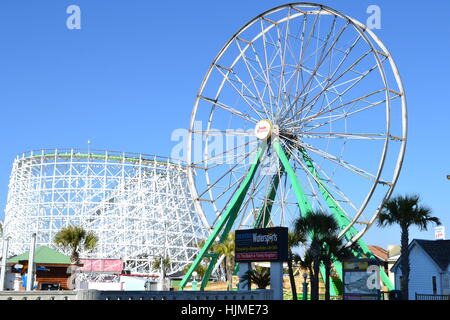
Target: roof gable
43	255
437	250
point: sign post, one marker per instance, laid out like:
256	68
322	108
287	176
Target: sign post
267	244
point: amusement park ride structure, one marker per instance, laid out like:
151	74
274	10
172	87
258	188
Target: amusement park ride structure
138	205
315	95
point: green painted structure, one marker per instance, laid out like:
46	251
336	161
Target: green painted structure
224	225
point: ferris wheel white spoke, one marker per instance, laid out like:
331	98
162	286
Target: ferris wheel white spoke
229	109
322	59
342	163
266	79
227	78
331	184
247	65
210	185
318	182
344	114
347	54
364	75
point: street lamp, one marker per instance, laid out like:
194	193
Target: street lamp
305	287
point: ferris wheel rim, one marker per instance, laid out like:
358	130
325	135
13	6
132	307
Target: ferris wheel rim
362	30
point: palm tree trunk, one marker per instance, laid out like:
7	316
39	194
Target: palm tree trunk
291	276
405	267
315	280
327	280
229	274
315	248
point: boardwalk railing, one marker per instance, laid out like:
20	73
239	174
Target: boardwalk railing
420	296
137	295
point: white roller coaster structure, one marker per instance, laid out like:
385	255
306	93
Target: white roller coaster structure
138	205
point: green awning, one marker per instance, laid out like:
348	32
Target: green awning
44	255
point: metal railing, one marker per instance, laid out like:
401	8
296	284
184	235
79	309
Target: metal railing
137	295
420	296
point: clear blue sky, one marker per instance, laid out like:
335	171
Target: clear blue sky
129	77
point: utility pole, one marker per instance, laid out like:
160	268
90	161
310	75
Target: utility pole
30	274
4	257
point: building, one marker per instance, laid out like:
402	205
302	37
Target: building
429	263
393	255
51	269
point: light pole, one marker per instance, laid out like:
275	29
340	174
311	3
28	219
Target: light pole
31	271
4	256
194	281
305	287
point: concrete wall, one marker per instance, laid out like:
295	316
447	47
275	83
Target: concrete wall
137	295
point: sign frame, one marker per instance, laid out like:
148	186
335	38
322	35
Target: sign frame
261	245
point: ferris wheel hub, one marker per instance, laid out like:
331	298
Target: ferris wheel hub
263	129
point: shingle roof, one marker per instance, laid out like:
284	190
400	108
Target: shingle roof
438	250
43	255
379	252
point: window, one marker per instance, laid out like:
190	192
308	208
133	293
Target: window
434	284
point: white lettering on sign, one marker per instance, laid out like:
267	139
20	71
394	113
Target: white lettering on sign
267	238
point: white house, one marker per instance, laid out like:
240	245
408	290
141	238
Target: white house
430	268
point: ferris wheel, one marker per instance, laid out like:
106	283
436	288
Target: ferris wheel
302	109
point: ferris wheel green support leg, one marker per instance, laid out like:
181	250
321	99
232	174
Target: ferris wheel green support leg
263	218
225	222
342	220
302	200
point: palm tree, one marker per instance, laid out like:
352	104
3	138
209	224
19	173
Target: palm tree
316	225
293	240
406	211
75	238
201	269
306	262
156	265
227	248
259	276
334	249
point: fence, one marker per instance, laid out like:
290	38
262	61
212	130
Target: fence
137	295
420	296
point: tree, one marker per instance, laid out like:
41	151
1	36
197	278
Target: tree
259	276
317	226
156	265
293	240
406	211
75	238
201	269
305	262
333	249
227	248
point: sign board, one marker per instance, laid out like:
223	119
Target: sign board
267	244
361	279
439	233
